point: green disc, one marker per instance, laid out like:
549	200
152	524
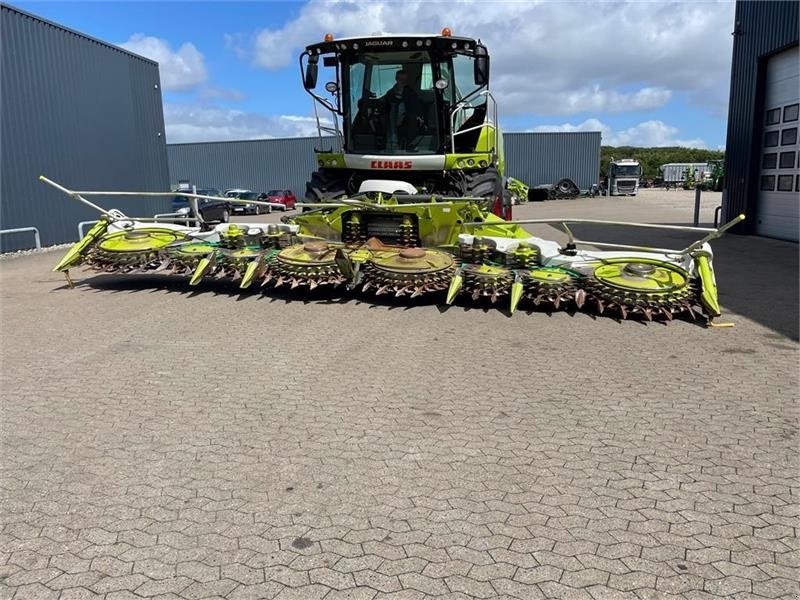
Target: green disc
191	249
641	275
139	240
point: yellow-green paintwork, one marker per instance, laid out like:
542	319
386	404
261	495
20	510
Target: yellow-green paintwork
73	256
488	151
203	267
455	285
451	161
550	274
324	159
250	272
139	240
708	296
516	295
439	223
664	278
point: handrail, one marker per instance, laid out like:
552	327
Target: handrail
489	121
36	239
335	131
83	224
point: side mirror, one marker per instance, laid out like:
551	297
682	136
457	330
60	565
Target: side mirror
481	66
312	68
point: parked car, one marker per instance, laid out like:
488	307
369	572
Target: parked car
285	197
248	209
211	210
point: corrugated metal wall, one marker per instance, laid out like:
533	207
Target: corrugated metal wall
82	112
257	165
538	158
760	29
260	165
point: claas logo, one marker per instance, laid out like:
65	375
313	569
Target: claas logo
390	164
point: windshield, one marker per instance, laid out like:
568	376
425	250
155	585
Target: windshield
275	193
390	104
248	196
626	170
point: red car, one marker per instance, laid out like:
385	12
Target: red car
285	197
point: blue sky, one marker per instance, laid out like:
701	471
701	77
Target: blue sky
642	73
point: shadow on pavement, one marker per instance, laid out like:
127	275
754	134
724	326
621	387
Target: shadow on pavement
757	277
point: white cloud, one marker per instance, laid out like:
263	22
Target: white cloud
595	99
180	70
190	123
647	134
547	57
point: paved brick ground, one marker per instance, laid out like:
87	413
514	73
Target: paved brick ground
163	443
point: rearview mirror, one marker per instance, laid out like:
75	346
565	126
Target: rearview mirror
481	66
312	67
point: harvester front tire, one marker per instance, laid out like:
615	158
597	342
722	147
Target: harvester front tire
325	186
486	184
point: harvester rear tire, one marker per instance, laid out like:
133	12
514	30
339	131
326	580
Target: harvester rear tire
325	186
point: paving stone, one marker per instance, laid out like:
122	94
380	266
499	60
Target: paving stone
378	581
424	584
632	581
469	586
728	586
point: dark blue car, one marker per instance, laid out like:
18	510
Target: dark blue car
211	210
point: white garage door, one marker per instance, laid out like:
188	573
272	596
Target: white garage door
779	196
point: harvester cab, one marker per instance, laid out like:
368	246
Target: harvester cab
411	108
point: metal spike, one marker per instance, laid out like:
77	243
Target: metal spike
691	311
648	312
165	264
557	302
312	284
383	289
600	307
580	297
667	313
294	283
476	294
279	281
623	311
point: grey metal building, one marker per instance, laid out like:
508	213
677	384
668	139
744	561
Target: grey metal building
82	112
540	158
260	165
762	159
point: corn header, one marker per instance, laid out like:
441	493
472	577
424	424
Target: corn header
409	246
